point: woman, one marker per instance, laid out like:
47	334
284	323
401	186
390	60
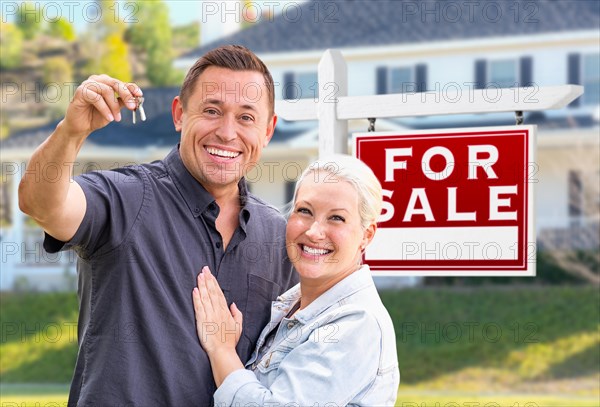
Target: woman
330	341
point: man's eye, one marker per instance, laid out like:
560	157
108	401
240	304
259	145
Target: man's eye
211	111
247	118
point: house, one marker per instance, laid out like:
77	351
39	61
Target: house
390	47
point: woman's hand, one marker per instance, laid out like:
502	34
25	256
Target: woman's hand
218	327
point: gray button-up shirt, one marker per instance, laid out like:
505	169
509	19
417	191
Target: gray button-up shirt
147	232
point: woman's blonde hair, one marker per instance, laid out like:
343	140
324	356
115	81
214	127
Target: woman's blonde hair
358	174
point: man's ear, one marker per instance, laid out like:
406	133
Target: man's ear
270	129
177	112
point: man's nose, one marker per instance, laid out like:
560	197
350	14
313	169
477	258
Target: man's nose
227	129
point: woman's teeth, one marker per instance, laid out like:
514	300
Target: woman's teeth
314	251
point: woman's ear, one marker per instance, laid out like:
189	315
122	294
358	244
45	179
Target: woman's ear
368	235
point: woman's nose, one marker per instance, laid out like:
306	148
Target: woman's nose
315	231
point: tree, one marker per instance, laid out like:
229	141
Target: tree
114	60
11	46
58	75
61	28
57	70
105	40
29	19
154	37
4	129
186	36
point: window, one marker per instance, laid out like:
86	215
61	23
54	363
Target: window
575	194
585	70
583	193
403	79
309	85
301	85
591	79
503	73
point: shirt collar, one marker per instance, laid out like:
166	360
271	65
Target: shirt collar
356	281
195	195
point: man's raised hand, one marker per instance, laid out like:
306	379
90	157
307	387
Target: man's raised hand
97	102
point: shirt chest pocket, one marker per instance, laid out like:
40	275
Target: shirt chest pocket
272	359
261	292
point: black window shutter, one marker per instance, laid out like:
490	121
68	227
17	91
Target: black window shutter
526	71
289	87
574	74
575	193
421	77
480	74
381	78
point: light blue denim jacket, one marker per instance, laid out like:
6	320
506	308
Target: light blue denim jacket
340	350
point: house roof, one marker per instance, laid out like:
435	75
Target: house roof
157	131
319	25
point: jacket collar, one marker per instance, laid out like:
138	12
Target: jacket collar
356	281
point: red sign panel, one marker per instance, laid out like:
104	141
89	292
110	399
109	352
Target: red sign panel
456	202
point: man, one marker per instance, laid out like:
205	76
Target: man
144	232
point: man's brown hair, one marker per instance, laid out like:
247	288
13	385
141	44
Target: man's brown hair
234	57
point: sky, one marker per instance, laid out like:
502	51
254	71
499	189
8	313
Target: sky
183	12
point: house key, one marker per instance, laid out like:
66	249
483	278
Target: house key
140	101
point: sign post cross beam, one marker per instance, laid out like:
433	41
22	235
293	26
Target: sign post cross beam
335	108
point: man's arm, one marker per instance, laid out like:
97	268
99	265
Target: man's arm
58	203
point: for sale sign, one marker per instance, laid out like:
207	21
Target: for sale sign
456	202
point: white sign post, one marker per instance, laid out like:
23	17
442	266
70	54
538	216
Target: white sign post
334	108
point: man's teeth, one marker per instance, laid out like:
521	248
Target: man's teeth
222	153
314	251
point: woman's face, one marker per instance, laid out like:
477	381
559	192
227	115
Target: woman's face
324	235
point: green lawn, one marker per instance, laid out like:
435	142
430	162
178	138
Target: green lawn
457	347
33	395
499	339
18	395
410	398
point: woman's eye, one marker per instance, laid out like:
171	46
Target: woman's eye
338	218
303	210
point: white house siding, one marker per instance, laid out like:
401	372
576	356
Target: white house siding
269	178
558	154
554	164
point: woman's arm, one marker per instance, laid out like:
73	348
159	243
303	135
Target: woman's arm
336	363
219	328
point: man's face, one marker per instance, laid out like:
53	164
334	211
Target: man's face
224	126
